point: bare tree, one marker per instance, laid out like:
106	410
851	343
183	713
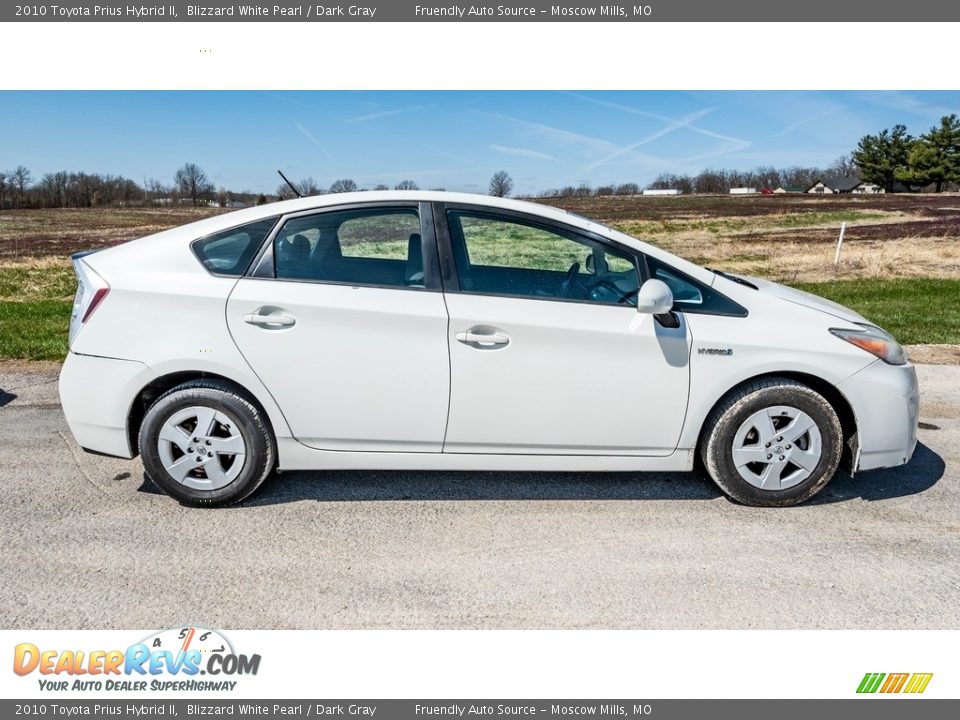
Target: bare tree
343	185
407	185
4	187
501	184
156	190
192	181
844	166
308	186
285	192
20	179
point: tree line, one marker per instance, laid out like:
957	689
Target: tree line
892	159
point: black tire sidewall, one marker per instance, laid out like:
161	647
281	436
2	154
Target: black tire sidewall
258	453
797	397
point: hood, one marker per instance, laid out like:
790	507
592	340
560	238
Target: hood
814	302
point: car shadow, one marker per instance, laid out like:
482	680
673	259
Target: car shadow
6	397
923	471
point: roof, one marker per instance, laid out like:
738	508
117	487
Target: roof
841	183
793	188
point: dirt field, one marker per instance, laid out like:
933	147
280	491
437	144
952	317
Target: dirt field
786	237
793	237
28	235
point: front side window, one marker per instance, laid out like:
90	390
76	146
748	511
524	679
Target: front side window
375	246
499	255
229	252
692	296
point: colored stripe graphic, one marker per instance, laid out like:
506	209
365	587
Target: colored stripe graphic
918	683
870	682
894	683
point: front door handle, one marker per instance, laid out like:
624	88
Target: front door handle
265	319
483	339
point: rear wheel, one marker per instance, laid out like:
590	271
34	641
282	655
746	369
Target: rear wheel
772	443
205	444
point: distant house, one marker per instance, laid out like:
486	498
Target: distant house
790	189
843	185
867	189
743	191
670	191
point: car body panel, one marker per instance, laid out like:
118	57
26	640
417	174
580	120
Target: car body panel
575	378
363	368
98	419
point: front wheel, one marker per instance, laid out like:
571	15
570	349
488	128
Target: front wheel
205	444
773	443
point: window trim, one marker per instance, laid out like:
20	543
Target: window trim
449	264
253	260
263	267
646	274
452	279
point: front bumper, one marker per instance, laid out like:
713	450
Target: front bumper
886	402
96	394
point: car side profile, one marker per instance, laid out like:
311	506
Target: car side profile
447	331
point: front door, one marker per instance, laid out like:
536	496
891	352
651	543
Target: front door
548	353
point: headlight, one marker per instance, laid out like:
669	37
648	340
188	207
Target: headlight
875	341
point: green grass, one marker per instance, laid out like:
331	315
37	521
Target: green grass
22	283
915	310
35	330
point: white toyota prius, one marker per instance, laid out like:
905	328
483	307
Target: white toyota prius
445	331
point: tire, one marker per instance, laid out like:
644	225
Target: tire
771	465
205	444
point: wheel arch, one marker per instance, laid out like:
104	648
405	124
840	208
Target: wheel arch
161	384
841	406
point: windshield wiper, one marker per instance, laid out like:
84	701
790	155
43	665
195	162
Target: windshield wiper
735	278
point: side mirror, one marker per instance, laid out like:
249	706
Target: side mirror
654	298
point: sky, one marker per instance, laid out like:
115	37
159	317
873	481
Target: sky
448	139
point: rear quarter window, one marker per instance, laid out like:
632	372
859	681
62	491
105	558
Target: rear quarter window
230	252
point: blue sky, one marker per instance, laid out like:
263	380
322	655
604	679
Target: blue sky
455	140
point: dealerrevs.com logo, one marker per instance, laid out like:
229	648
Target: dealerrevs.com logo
180	659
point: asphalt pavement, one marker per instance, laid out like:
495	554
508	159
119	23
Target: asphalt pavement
88	542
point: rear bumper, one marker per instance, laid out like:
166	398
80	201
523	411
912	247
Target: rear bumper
886	400
96	394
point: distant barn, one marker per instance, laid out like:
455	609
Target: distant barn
743	191
670	191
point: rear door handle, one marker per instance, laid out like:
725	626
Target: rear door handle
487	339
279	319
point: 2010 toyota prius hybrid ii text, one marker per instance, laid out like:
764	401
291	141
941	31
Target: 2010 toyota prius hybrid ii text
444	331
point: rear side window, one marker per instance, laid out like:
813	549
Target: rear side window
377	246
231	251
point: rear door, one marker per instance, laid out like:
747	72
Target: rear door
344	322
548	353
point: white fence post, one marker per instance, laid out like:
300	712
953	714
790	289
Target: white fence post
843	229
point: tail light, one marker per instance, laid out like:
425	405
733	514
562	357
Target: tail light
91	290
